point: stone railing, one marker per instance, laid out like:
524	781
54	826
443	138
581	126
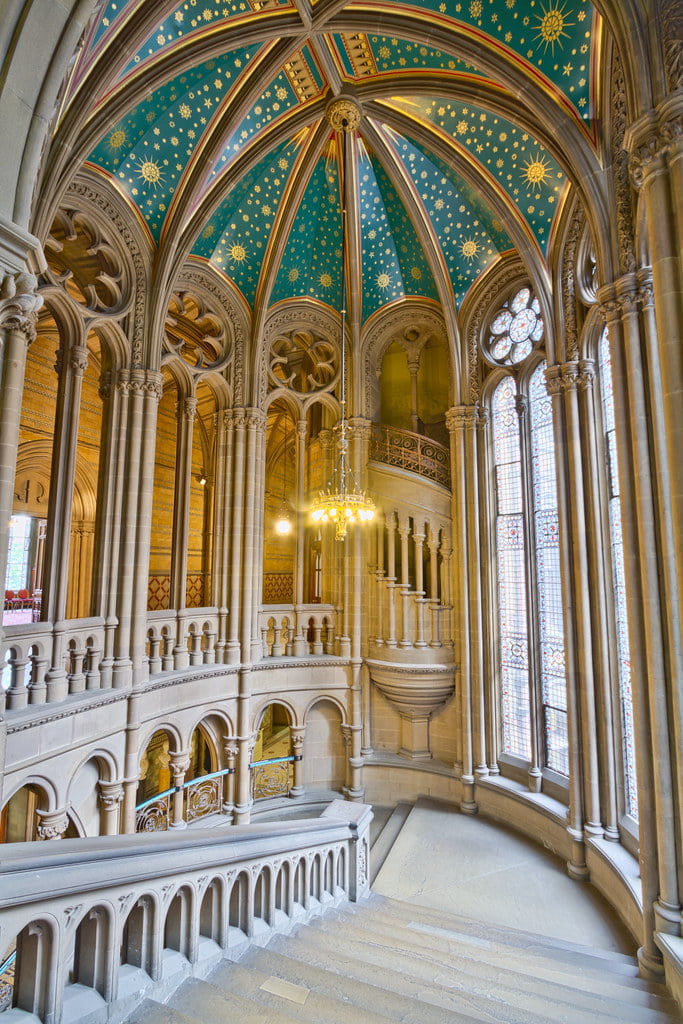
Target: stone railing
406	450
100	924
176	640
277	625
29	651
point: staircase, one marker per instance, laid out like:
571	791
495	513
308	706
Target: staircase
385	960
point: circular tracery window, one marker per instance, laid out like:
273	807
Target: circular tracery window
516	328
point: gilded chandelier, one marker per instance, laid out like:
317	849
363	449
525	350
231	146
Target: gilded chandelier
342	502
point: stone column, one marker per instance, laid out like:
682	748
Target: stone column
185	415
300	644
222	519
418	540
456	422
19	305
52	824
258	471
179	762
231	751
297	733
238	432
391	524
649	634
404	534
72	361
413	367
354	762
140	391
584	808
110	796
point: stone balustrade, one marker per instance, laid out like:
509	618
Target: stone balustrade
100	924
278	630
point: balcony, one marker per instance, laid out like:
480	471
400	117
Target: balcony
414	452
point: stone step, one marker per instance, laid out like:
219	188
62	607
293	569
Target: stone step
498	943
376	996
515	938
272	980
152	1012
381	848
208	1003
511	967
518	988
451	991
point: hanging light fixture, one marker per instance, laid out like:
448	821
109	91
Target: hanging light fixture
283	522
343	502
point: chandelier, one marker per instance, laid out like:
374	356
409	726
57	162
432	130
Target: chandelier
343	502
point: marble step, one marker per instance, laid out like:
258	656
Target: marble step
381	848
453	992
510	966
327	997
377	995
518	987
208	1003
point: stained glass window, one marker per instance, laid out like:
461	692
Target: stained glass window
550	627
512	605
618	581
515	329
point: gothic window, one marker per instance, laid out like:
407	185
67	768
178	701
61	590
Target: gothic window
618	580
516	329
530	622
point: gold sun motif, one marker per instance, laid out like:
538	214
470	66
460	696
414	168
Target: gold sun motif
150	172
536	171
117	139
551	26
383	280
208	231
326	280
293	275
469	249
416	273
237	253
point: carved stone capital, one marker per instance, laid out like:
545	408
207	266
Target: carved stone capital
53	824
561	378
255	419
298	733
111	794
521	405
359	428
187	408
460	417
19	304
179	762
652	139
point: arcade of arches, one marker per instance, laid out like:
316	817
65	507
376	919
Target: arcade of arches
494	192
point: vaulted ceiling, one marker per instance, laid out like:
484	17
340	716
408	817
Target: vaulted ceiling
211	122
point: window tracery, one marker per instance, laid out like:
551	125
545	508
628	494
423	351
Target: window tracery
516	329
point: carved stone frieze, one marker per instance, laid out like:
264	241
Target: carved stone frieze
569	269
671	18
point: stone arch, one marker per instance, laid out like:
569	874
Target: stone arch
324	751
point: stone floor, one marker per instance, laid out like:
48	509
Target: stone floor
453	862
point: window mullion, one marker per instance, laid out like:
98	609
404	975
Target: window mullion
535	766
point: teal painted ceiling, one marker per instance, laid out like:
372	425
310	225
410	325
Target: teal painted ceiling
232	153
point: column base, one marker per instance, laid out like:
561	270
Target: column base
650	965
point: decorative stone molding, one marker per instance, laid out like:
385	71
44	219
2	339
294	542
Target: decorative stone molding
187	409
569	268
626	296
562	377
284	322
19	304
238	322
81	190
671	20
622	188
416	694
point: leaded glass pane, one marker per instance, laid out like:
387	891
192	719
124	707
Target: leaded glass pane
618	581
548	579
512	609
